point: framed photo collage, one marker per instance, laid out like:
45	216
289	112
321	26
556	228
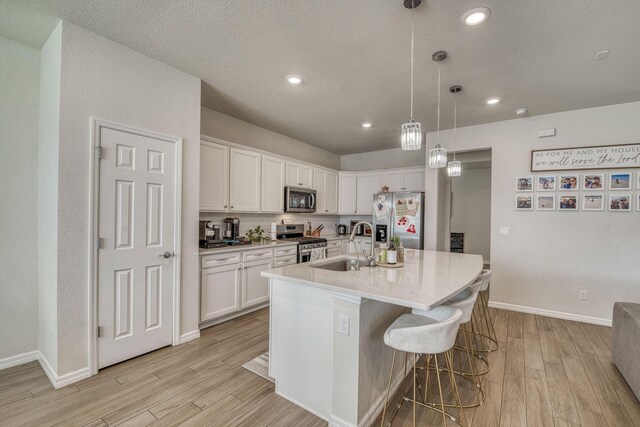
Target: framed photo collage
587	191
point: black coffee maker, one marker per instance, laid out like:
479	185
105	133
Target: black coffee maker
210	235
231	229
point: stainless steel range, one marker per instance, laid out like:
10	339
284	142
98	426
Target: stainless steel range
307	245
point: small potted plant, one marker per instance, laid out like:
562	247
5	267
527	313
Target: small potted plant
399	249
258	235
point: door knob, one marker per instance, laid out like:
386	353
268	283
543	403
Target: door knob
166	254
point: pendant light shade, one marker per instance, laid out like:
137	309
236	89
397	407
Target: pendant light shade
411	136
454	168
437	157
411	132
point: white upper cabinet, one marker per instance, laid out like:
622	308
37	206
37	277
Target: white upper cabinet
347	184
368	185
214	177
273	172
326	183
414	179
245	181
299	175
394	179
404	179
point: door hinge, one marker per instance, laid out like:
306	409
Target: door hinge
100	331
99	152
99	242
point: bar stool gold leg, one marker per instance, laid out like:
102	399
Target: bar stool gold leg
415	377
386	404
449	358
444	414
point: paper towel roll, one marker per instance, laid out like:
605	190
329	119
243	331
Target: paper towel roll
273	233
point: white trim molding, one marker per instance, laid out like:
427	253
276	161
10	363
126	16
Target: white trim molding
189	336
19	359
550	313
59	381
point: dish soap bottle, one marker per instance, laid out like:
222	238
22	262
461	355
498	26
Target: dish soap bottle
382	258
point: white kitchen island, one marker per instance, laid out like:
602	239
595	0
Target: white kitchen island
326	349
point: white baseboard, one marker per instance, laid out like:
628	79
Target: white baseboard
19	359
59	381
190	336
551	313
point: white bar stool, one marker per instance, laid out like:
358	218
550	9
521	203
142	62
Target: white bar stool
486	330
431	333
465	301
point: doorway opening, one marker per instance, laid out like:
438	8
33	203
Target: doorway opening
468	205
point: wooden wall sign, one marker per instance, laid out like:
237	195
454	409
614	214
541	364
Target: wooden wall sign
577	158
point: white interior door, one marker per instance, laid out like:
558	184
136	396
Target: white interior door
137	230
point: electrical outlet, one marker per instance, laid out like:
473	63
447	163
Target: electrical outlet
583	295
504	231
343	324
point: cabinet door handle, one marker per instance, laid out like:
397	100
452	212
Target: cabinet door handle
225	206
222	259
299	183
231	207
326	210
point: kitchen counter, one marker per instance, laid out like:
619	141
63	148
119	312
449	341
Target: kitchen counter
326	328
224	249
427	279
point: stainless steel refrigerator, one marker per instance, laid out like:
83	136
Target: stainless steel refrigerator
401	214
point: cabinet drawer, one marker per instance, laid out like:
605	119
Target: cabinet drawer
287	250
334	252
220	259
257	254
285	260
334	244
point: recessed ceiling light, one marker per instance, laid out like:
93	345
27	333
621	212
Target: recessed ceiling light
294	80
492	101
366	125
476	16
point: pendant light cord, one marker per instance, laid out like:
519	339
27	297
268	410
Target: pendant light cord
438	134
412	43
455	121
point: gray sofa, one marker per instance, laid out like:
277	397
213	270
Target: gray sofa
625	343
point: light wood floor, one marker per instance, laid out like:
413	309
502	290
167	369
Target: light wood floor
547	372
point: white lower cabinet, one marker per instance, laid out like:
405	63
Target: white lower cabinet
334	248
231	282
219	291
255	288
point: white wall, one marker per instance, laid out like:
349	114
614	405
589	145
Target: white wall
222	126
48	147
550	256
19	97
106	80
471	193
383	159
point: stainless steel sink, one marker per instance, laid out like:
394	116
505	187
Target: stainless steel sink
343	264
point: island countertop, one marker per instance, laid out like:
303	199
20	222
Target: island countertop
427	279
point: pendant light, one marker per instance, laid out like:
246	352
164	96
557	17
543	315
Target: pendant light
411	132
454	168
438	155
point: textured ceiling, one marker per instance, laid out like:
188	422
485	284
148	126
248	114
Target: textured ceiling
354	57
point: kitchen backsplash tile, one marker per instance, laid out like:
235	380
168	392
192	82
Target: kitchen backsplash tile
249	221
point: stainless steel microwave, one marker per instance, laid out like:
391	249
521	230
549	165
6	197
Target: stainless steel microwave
302	200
